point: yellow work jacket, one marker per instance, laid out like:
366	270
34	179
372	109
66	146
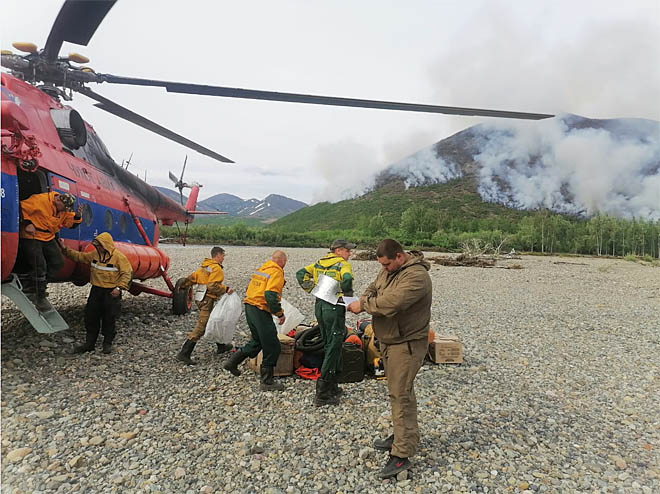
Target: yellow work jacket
332	265
268	278
110	271
211	275
39	210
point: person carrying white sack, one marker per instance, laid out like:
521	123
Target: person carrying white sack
211	275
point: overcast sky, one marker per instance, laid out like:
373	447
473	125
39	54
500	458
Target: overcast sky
599	59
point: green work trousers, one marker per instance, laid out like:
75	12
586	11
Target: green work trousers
402	362
264	336
332	322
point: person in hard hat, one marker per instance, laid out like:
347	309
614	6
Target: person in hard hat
263	301
110	275
42	217
400	303
331	318
210	276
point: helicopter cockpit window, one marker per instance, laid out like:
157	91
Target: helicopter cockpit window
96	154
108	220
87	215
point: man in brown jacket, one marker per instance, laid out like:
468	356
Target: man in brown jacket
400	303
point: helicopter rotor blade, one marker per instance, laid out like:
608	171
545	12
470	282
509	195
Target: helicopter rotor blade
126	114
173	178
232	92
76	23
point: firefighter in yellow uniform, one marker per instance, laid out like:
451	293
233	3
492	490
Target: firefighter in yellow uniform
110	274
211	276
42	217
331	318
262	302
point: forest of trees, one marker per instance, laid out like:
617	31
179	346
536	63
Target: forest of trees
539	231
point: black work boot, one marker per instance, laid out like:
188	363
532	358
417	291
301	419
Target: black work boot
394	466
223	348
107	347
88	346
186	351
324	394
384	444
234	361
85	347
336	390
268	383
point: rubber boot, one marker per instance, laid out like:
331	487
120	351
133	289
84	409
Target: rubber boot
186	351
336	390
234	361
88	346
268	383
223	348
324	395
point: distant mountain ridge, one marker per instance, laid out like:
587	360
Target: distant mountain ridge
269	209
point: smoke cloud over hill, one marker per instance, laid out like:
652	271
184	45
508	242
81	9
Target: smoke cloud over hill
559	165
567	164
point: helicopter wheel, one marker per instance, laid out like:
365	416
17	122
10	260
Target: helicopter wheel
181	299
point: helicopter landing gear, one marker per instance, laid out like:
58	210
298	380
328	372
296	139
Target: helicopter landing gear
182	298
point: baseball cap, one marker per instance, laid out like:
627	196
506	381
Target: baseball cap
342	243
68	200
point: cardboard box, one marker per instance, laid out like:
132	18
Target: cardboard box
284	365
446	350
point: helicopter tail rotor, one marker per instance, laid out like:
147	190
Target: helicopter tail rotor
178	182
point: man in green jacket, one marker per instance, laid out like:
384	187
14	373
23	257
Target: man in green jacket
400	303
331	318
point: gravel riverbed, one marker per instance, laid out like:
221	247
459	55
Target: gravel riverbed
559	392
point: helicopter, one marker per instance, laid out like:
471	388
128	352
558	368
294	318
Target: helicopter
48	146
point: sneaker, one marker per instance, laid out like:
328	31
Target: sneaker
394	466
384	444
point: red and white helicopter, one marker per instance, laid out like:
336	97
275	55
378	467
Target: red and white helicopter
47	146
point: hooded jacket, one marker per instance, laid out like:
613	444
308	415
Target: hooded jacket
332	265
111	270
39	210
211	275
400	302
265	288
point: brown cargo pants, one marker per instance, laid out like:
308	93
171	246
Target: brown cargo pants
205	307
402	362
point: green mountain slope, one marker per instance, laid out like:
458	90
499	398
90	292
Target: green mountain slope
456	200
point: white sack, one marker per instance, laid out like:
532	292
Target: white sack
293	318
221	325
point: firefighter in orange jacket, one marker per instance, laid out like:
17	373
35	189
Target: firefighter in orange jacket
110	275
42	217
211	276
262	302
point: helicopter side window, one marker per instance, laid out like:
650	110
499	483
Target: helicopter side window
123	223
87	215
108	220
